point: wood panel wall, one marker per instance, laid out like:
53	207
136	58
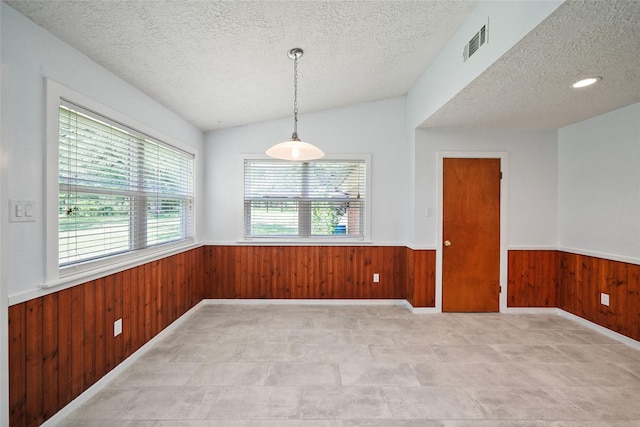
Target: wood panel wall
583	278
532	278
421	277
62	343
319	272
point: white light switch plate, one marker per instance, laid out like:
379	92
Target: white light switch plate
21	211
604	299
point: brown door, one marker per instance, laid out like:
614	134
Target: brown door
471	235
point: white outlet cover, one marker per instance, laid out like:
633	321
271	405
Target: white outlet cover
604	299
376	278
117	327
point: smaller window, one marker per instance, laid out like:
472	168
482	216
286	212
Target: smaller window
316	199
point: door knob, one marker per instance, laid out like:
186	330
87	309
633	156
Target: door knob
447	243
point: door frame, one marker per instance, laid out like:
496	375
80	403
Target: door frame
504	159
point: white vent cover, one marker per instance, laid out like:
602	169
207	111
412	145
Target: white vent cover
477	41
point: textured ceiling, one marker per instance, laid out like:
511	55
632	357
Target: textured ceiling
224	63
530	86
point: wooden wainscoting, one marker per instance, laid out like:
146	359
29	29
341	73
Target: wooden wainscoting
583	278
62	343
532	278
320	272
421	277
304	272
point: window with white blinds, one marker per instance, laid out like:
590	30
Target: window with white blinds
119	190
315	199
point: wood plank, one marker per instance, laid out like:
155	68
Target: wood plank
89	314
50	380
77	366
633	301
109	320
17	365
619	315
33	357
130	311
148	303
533	278
139	281
64	347
118	295
100	328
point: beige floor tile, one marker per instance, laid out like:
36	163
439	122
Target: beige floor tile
402	353
272	352
377	374
343	403
333	353
205	352
155	374
517	403
256	403
303	374
435	403
364	337
493	423
467	354
457	375
105	423
230	373
530	353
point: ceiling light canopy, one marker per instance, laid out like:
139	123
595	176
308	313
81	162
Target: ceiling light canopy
294	149
586	82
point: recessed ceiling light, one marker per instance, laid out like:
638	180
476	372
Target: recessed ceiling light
586	82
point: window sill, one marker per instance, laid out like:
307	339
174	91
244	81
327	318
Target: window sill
70	278
267	241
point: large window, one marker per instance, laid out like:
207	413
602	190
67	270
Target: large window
119	189
315	199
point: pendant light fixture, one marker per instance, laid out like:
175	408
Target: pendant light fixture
294	149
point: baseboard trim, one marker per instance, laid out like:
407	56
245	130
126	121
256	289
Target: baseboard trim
605	331
105	380
532	310
336	302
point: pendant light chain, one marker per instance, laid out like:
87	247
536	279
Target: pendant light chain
295	95
294	149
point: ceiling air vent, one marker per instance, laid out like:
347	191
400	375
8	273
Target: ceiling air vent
477	41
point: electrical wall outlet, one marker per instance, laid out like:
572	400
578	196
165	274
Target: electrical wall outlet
117	327
604	299
376	278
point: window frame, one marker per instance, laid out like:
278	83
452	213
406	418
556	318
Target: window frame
55	274
317	240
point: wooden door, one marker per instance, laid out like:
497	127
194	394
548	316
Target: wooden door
471	235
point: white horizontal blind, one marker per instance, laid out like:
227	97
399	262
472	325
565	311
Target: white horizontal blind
321	198
120	190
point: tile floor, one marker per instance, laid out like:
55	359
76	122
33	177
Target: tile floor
344	366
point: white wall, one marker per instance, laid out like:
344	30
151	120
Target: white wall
376	128
531	174
599	186
29	55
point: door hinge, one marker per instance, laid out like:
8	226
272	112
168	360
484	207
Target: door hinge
500	289
500	174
